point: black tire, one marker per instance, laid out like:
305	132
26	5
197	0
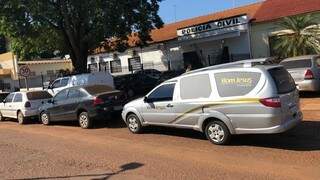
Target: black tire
21	119
1	117
45	118
134	124
217	133
84	120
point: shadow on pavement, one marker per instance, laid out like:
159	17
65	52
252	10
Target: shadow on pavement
304	137
309	94
102	176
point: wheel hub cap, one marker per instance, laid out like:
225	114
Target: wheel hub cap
83	121
216	133
133	124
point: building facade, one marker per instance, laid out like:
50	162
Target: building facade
227	36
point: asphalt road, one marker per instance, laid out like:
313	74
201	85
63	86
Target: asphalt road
64	151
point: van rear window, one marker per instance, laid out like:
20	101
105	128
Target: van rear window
37	95
304	63
283	80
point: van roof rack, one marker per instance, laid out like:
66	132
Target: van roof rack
243	63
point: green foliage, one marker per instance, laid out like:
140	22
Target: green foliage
301	36
3	42
75	26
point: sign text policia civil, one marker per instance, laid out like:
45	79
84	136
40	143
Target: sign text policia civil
213	25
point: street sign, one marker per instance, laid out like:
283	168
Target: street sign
24	71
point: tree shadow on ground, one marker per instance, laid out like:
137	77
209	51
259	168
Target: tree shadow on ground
309	95
97	176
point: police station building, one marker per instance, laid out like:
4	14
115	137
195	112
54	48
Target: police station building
222	37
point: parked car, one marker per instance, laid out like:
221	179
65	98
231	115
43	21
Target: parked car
83	103
103	78
169	75
305	71
23	105
135	84
153	73
245	97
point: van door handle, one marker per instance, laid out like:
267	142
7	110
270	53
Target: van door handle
169	105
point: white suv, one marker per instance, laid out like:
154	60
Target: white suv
22	105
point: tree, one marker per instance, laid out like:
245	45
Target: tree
299	37
76	26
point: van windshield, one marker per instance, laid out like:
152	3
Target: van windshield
303	63
283	80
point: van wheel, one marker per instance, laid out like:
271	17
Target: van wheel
134	124
45	119
84	120
217	133
21	118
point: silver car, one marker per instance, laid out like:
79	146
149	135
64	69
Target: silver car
305	71
245	97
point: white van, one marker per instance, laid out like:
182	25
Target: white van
95	78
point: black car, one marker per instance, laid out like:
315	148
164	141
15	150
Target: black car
135	84
82	103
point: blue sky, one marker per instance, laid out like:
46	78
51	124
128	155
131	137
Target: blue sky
192	8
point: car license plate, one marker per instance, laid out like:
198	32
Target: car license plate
117	108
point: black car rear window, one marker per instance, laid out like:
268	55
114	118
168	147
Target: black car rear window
36	95
97	89
283	80
304	63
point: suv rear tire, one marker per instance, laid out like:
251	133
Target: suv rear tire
1	117
217	133
134	124
20	117
84	121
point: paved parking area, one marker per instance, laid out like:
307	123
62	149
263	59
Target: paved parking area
64	151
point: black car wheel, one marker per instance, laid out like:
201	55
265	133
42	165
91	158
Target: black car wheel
21	118
84	120
218	133
134	124
45	118
1	117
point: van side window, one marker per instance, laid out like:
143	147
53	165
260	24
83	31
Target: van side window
163	93
188	85
17	97
236	83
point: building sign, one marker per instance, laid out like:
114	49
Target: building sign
214	25
134	63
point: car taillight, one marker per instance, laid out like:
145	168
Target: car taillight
308	74
27	104
271	102
97	101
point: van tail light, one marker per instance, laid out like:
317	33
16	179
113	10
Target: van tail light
27	104
308	74
97	101
271	102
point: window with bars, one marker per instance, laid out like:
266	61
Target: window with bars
115	66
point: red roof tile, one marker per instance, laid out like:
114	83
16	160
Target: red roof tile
275	9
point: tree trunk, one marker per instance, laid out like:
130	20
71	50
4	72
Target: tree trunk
79	62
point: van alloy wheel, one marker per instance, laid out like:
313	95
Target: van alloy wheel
45	118
84	120
217	132
134	124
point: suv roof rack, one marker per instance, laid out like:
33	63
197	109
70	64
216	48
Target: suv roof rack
243	63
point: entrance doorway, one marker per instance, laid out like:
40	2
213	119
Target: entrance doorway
192	58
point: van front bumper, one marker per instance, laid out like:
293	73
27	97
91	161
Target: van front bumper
287	125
